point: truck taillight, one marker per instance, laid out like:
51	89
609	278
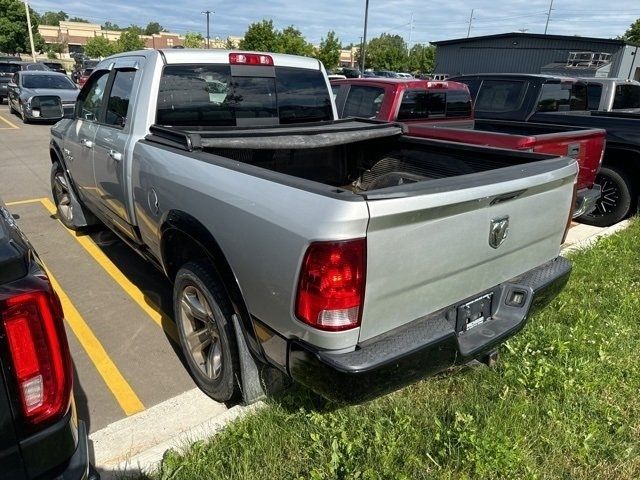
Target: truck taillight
331	285
250	59
39	354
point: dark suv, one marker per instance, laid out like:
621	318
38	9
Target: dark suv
40	434
8	68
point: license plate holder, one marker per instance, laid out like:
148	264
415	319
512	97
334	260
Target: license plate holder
474	313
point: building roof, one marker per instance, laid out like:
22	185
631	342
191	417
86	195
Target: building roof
612	41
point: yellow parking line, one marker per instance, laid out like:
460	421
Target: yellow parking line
11	124
132	290
122	391
25	202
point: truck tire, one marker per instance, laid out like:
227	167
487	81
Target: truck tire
60	193
618	198
203	314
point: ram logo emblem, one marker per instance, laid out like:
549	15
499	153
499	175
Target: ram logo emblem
498	231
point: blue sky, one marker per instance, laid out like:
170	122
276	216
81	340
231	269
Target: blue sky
431	20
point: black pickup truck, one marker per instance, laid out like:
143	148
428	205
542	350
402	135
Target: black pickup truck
40	434
566	101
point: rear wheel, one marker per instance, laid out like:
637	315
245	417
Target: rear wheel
203	317
617	201
61	196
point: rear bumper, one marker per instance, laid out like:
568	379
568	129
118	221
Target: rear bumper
586	200
425	346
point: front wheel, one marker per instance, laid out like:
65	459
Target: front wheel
203	316
617	200
62	197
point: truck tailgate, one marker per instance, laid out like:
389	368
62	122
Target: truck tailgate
428	243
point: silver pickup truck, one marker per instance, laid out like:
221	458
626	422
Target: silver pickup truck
345	254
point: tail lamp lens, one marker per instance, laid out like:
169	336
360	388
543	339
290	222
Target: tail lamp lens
39	354
331	285
250	59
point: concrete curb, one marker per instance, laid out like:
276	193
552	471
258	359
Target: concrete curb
590	240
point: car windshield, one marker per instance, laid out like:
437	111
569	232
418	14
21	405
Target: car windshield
47	81
9	67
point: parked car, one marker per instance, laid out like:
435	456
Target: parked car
42	95
55	67
40	434
404	75
562	101
335	76
9	68
342	253
385	74
423	105
84	76
350	72
606	94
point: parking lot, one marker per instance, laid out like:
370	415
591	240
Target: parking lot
118	308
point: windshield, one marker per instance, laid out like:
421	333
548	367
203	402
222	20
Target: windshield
47	81
627	96
208	95
9	68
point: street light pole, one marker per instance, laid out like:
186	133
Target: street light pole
207	13
33	50
364	38
548	17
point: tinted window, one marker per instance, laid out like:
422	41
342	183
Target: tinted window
579	97
458	103
473	84
594	93
207	95
417	104
9	68
554	97
500	95
363	101
36	66
119	98
47	81
90	98
627	96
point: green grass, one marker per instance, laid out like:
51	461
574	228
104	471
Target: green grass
563	402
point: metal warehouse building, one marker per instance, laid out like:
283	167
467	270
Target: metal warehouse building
535	53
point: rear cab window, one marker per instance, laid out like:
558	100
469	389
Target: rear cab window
424	104
218	95
594	94
627	96
562	96
501	96
363	101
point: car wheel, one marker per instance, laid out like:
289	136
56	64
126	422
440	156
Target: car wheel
203	317
22	114
617	200
61	196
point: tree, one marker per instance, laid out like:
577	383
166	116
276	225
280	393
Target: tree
387	52
129	40
291	41
53	18
230	44
13	28
79	20
422	58
134	29
153	28
193	40
633	32
329	51
111	26
99	47
261	36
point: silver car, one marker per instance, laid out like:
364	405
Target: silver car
41	95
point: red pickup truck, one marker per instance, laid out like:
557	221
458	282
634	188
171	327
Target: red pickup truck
443	111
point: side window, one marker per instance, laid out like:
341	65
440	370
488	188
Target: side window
627	96
417	104
579	97
458	103
119	97
363	101
90	99
594	94
500	96
335	90
554	97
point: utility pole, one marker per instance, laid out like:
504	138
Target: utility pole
364	38
410	34
470	21
548	17
207	13
33	50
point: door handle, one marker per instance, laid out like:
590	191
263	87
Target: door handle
86	143
117	156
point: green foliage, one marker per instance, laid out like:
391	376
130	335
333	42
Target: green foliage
562	402
291	41
51	55
230	44
13	28
130	40
53	18
193	40
387	52
261	36
111	26
329	51
153	28
134	29
99	47
56	48
633	32
422	58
